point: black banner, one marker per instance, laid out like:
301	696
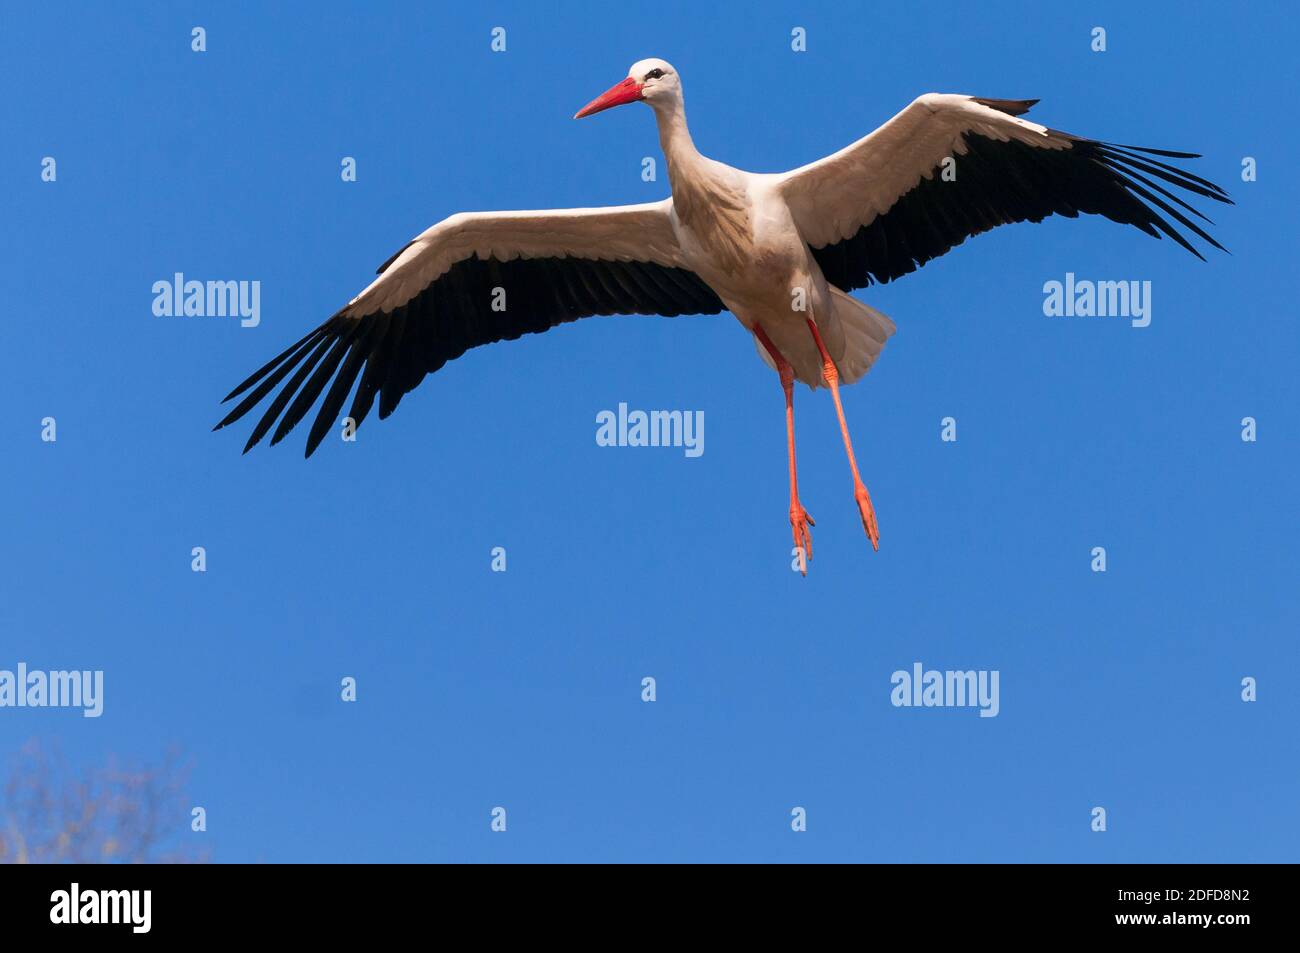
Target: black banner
1174	903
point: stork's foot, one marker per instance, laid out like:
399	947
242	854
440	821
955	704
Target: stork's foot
868	514
799	523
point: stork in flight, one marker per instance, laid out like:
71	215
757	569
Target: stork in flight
779	251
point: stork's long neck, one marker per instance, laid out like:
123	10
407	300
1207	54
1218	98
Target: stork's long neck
708	201
683	158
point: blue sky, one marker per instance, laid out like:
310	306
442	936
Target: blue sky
522	689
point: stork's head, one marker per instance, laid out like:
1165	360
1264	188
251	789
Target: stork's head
652	80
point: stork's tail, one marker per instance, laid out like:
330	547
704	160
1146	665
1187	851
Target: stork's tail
865	332
855	333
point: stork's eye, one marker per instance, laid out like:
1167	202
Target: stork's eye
654	74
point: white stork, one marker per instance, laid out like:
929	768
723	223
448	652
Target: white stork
780	252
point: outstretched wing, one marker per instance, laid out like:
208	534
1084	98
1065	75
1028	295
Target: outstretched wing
881	207
472	279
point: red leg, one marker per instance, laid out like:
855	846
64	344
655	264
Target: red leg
799	518
860	493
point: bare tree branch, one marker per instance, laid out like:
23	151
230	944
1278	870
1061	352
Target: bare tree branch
111	814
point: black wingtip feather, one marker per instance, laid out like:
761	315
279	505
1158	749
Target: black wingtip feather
289	389
274	362
338	392
1160	152
312	389
1171	173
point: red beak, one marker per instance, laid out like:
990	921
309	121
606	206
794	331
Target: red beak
628	91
